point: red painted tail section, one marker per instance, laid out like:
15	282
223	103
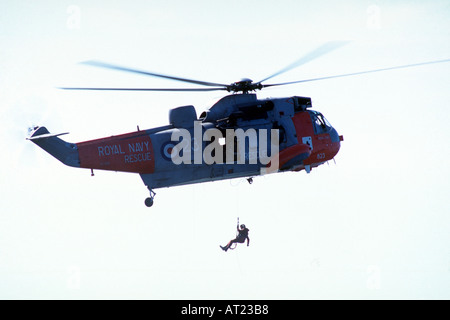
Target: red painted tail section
131	152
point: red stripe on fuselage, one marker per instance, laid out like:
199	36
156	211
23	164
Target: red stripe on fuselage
131	152
294	151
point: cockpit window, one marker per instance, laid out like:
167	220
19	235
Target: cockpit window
321	124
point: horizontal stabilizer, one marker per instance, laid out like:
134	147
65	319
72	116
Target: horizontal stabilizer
46	136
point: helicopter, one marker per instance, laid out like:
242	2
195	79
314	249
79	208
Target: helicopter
232	139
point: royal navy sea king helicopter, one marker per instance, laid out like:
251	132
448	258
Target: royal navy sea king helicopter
194	149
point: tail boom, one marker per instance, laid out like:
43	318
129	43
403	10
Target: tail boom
131	152
64	151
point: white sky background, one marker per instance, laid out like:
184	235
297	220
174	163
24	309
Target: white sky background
373	225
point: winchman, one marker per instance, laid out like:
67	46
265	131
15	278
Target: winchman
242	235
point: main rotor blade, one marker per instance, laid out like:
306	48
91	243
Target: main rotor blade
120	68
323	49
358	73
143	89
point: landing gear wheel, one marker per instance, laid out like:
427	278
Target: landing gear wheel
149	202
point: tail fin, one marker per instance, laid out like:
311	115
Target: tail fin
65	152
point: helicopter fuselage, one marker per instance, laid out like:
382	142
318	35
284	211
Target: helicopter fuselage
281	128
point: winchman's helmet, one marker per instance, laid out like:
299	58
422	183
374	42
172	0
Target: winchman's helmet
242	226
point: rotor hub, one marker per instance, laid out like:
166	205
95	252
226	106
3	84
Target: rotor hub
245	85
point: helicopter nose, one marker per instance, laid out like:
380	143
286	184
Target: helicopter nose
335	137
336	140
